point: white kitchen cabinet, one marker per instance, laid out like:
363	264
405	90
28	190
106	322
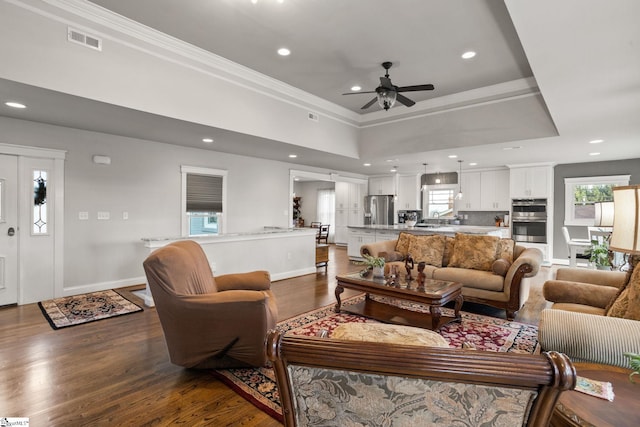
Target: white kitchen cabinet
382	185
408	192
358	238
382	235
349	209
531	182
494	191
471	199
342	195
341	235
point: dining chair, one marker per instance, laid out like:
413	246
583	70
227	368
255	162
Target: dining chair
323	234
574	245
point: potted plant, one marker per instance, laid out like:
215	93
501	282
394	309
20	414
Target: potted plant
634	361
376	264
599	255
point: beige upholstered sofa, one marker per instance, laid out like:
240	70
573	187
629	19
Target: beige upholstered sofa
589	320
490	269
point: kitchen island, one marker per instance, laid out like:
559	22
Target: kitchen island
363	234
283	252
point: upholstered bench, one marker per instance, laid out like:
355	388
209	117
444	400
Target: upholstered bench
387	333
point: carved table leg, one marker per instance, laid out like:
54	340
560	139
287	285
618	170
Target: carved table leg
435	316
339	290
458	306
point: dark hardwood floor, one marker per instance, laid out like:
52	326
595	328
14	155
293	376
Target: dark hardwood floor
116	372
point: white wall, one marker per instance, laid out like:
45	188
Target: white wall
143	180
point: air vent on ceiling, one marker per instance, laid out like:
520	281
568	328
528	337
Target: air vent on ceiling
313	116
77	36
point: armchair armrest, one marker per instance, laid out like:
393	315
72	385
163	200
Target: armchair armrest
375	248
563	291
525	265
589	337
252	281
596	277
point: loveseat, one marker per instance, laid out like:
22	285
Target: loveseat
490	269
591	319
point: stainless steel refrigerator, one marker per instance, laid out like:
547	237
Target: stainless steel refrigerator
378	210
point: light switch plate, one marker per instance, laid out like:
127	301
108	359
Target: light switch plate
103	215
83	216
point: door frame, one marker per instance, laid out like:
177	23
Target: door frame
58	157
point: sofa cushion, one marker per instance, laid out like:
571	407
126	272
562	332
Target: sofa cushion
477	279
474	252
627	302
402	245
391	256
448	250
427	248
505	249
500	267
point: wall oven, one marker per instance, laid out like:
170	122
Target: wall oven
529	220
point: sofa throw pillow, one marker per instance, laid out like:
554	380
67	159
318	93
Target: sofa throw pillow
402	245
448	250
500	267
626	304
474	252
505	249
428	249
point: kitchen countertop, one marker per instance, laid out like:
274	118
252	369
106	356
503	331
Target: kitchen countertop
444	229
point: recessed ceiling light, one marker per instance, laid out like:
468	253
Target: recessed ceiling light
14	104
594	154
366	164
283	51
356	88
473	164
394	169
468	55
596	141
293	156
453	156
209	140
511	148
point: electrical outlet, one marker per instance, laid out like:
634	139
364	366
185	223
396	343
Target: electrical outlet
125	215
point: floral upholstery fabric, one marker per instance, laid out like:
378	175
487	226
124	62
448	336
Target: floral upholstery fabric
325	397
505	249
474	252
402	245
427	248
627	303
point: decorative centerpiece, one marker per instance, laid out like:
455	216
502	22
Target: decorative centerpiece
411	219
375	264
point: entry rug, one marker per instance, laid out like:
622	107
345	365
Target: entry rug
78	309
258	385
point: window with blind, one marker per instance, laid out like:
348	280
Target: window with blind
203	195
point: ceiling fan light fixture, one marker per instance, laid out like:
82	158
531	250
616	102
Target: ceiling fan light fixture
386	98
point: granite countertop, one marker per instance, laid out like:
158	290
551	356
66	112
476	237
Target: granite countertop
266	231
469	229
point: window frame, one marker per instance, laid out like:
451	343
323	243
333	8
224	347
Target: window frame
438	187
569	191
185	170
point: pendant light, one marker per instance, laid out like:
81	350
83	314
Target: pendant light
424	186
459	196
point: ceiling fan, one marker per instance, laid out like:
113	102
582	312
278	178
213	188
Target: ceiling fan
388	93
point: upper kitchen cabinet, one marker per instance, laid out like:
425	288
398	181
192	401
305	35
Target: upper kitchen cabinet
495	190
382	185
342	195
471	189
408	192
531	182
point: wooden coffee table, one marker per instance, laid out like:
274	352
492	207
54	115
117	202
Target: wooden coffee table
578	409
435	294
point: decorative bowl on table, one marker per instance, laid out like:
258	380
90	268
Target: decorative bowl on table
411	222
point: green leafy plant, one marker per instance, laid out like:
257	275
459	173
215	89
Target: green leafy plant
372	261
634	361
599	254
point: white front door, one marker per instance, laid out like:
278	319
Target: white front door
8	230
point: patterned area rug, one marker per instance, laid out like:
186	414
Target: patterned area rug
78	309
258	385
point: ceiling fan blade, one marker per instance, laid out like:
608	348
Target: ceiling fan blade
404	100
415	88
385	82
369	104
358	93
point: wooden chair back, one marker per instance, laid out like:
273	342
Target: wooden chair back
335	382
323	234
